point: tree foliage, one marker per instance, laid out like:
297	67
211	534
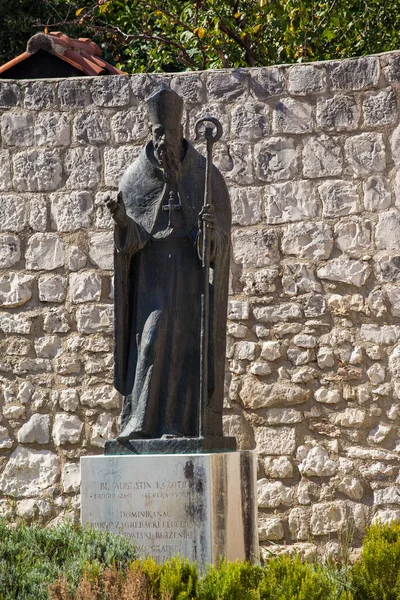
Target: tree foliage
176	35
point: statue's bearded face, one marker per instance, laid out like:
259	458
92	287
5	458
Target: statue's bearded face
167	142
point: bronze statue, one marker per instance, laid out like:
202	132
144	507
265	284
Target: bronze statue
161	222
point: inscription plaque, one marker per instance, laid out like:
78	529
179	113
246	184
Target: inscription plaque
196	506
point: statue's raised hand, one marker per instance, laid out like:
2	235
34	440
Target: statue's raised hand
117	209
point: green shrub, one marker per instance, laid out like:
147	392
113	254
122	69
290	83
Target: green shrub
231	581
288	578
32	557
377	575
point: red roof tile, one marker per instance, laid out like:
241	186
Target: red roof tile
84	54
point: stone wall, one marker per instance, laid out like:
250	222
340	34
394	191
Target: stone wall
310	155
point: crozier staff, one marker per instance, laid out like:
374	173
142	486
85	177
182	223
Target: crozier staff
159	216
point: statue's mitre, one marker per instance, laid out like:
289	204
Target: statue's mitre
166	107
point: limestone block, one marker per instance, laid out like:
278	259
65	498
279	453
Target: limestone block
271	351
339	113
259	282
55	320
328	517
270	529
113	91
14	323
245	350
5	439
67	365
116	161
339	198
35	431
308	240
39	95
102	430
283	416
76	258
237	426
353	236
260	368
228	85
17	129
68	400
238	311
266	82
101	251
67	429
218	110
388	230
275	440
10	94
376	373
103	395
395	144
379	433
85	287
258	248
327	395
394	361
300	357
32	365
82	166
38	213
5	170
246	206
25	391
322	157
292	116
71	477
242	171
130	126
380	334
13	412
73	93
351	487
29	472
37	170
386	516
291	201
346	270
71	211
271	494
380	108
92	128
190	88
276	159
52	129
317	463
13	213
299	523
299	278
305	341
52	288
365	153
393	294
355	74
274	314
387	268
15	290
44	251
48	346
389	495
278	468
250	121
306	79
350	417
377	194
103	218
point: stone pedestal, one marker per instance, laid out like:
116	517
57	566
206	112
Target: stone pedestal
201	506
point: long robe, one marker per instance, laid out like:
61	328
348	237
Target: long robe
157	300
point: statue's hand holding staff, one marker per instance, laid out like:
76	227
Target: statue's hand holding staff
207	217
117	209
